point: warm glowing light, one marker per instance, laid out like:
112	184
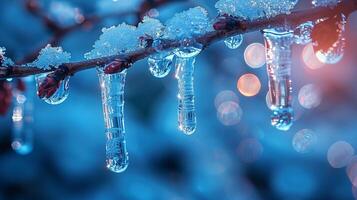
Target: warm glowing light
340	154
309	96
225	95
229	113
254	55
249	85
310	59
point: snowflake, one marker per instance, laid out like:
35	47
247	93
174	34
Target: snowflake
188	24
51	57
255	9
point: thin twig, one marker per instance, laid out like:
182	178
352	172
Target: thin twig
293	19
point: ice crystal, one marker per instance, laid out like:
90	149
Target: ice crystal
188	24
255	9
51	57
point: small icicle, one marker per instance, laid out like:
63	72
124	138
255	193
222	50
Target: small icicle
234	42
22	117
185	63
278	57
112	89
61	93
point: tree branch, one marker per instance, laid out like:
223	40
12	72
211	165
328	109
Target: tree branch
240	27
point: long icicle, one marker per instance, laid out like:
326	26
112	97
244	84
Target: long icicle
22	117
186	97
112	89
278	56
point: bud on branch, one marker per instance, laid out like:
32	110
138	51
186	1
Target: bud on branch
52	82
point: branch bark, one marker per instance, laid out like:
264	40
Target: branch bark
293	19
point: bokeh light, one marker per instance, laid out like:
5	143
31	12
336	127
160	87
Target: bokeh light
304	141
351	171
249	150
309	57
225	95
229	113
340	154
310	96
249	85
254	55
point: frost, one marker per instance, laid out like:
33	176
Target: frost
325	2
188	24
51	57
5	60
115	40
151	26
255	9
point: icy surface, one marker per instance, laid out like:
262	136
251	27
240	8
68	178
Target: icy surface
325	2
115	40
51	57
6	61
255	9
188	24
151	26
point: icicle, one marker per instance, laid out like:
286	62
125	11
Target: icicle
160	64
112	87
278	56
234	42
185	63
22	117
60	95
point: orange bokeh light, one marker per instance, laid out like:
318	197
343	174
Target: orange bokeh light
249	85
254	55
310	59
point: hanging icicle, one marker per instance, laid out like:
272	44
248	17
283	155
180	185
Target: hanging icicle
22	117
278	59
160	64
112	88
185	63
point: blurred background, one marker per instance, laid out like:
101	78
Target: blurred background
235	153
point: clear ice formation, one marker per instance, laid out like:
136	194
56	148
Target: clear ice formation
112	89
22	118
278	57
234	42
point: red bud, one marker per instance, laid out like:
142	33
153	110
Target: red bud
116	66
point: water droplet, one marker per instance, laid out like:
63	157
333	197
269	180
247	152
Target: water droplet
302	33
160	64
188	49
304	141
335	53
60	95
340	154
282	119
234	42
